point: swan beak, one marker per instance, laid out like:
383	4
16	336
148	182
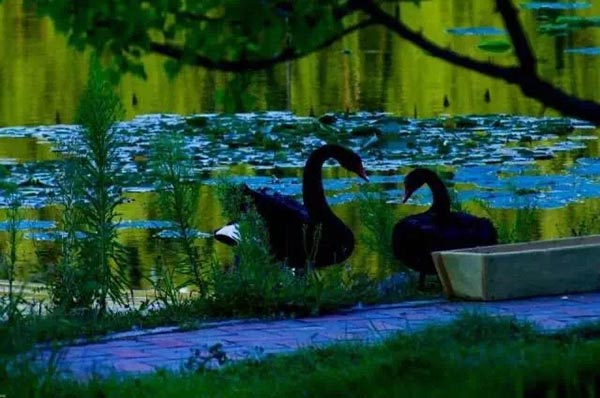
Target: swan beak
406	196
361	173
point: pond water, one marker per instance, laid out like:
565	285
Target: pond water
535	176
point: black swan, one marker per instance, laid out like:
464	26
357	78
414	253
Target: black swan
309	234
438	228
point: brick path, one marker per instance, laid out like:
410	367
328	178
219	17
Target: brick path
169	348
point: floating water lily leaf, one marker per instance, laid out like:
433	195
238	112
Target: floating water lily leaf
27	225
584	51
544	5
586	167
144	224
494	46
554	29
477	31
366	130
559	127
578	22
565	24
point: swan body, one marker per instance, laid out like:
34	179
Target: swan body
309	233
416	237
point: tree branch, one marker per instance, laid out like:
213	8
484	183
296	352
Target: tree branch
531	85
509	74
240	65
517	36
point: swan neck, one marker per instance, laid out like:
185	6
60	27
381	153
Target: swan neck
312	184
441	197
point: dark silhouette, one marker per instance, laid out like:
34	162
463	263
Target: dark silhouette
309	234
417	236
486	96
446	101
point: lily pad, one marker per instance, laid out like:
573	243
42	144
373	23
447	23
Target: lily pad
28	225
362	131
494	46
554	29
477	31
578	22
584	51
546	5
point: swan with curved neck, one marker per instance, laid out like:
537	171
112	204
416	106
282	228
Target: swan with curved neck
416	237
310	233
419	177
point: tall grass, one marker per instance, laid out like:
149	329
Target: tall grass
178	196
64	279
378	219
10	305
90	270
523	228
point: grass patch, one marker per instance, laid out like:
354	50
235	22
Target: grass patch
474	355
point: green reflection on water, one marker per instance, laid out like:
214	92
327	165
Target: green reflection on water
25	150
42	77
143	247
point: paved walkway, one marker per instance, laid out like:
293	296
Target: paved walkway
170	348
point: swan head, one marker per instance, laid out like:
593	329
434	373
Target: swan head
415	180
351	161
